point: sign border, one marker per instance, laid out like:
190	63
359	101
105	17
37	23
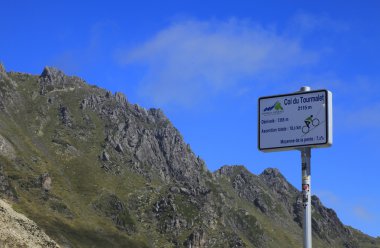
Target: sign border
328	117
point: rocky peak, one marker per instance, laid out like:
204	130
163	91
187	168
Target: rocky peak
145	140
271	173
54	79
3	72
2	69
158	114
328	215
52	74
228	170
121	98
276	181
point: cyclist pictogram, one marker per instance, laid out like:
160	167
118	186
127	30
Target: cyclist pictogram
310	120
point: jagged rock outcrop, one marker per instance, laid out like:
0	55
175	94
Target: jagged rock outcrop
46	182
146	137
249	187
273	195
6	148
53	76
7	87
196	239
53	79
65	116
6	190
2	69
8	152
326	224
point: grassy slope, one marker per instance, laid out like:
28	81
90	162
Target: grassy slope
77	179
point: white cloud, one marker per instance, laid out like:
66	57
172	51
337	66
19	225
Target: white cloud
192	60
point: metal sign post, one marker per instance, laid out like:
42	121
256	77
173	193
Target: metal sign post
306	191
306	196
297	121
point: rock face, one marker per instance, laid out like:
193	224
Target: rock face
6	148
46	182
2	69
54	79
144	137
53	76
94	170
6	189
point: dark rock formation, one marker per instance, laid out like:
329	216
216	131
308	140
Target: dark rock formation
196	239
6	190
46	182
112	207
65	116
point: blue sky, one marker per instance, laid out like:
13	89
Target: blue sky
206	64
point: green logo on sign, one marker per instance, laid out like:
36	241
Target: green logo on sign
278	106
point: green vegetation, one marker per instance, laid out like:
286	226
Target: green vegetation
62	182
44	145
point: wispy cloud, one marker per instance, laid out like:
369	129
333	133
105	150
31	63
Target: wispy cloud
362	213
359	103
193	60
364	117
90	52
330	198
304	22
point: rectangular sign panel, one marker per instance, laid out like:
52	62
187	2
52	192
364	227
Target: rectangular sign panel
291	121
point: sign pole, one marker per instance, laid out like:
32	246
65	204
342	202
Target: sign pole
306	196
297	121
306	191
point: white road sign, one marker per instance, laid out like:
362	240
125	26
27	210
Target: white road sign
302	119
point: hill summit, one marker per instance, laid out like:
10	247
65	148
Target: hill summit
92	169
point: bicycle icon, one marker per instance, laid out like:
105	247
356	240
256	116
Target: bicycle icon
309	121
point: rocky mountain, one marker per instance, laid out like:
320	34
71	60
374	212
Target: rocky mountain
92	169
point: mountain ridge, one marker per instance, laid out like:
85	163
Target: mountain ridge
108	172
